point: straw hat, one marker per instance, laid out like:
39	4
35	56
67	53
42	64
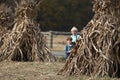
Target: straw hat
74	29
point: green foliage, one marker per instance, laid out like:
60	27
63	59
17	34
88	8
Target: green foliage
61	59
63	14
20	79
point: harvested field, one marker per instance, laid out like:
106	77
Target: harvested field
37	71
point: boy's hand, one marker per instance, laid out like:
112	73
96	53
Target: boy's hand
69	51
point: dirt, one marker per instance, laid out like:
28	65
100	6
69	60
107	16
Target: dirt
30	71
36	71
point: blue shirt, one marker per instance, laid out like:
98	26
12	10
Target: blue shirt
75	37
68	48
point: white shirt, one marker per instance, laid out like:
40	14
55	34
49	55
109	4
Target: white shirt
75	37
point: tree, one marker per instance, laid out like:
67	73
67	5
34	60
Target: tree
63	14
97	52
60	14
25	42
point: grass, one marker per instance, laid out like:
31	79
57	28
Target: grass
37	71
59	42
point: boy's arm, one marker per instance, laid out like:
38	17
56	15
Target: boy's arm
71	49
65	48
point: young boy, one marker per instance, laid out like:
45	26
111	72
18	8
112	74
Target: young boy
68	47
74	35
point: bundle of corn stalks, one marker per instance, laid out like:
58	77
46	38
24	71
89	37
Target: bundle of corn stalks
25	41
97	52
6	18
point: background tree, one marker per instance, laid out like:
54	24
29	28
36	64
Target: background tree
60	14
63	14
97	52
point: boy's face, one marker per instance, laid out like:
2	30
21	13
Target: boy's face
74	32
69	41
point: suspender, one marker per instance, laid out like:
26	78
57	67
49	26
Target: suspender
76	37
68	48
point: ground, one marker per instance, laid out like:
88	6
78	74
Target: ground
36	71
39	70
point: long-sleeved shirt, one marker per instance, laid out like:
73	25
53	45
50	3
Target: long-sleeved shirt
75	37
68	48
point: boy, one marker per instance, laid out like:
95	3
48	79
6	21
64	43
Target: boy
68	47
74	35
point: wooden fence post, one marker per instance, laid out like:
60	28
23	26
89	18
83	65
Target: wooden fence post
51	39
52	33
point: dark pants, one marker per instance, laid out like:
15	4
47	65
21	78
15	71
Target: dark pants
66	56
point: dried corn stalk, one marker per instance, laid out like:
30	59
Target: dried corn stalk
6	18
97	52
25	42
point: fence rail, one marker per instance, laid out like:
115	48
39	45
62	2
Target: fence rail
56	33
52	33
